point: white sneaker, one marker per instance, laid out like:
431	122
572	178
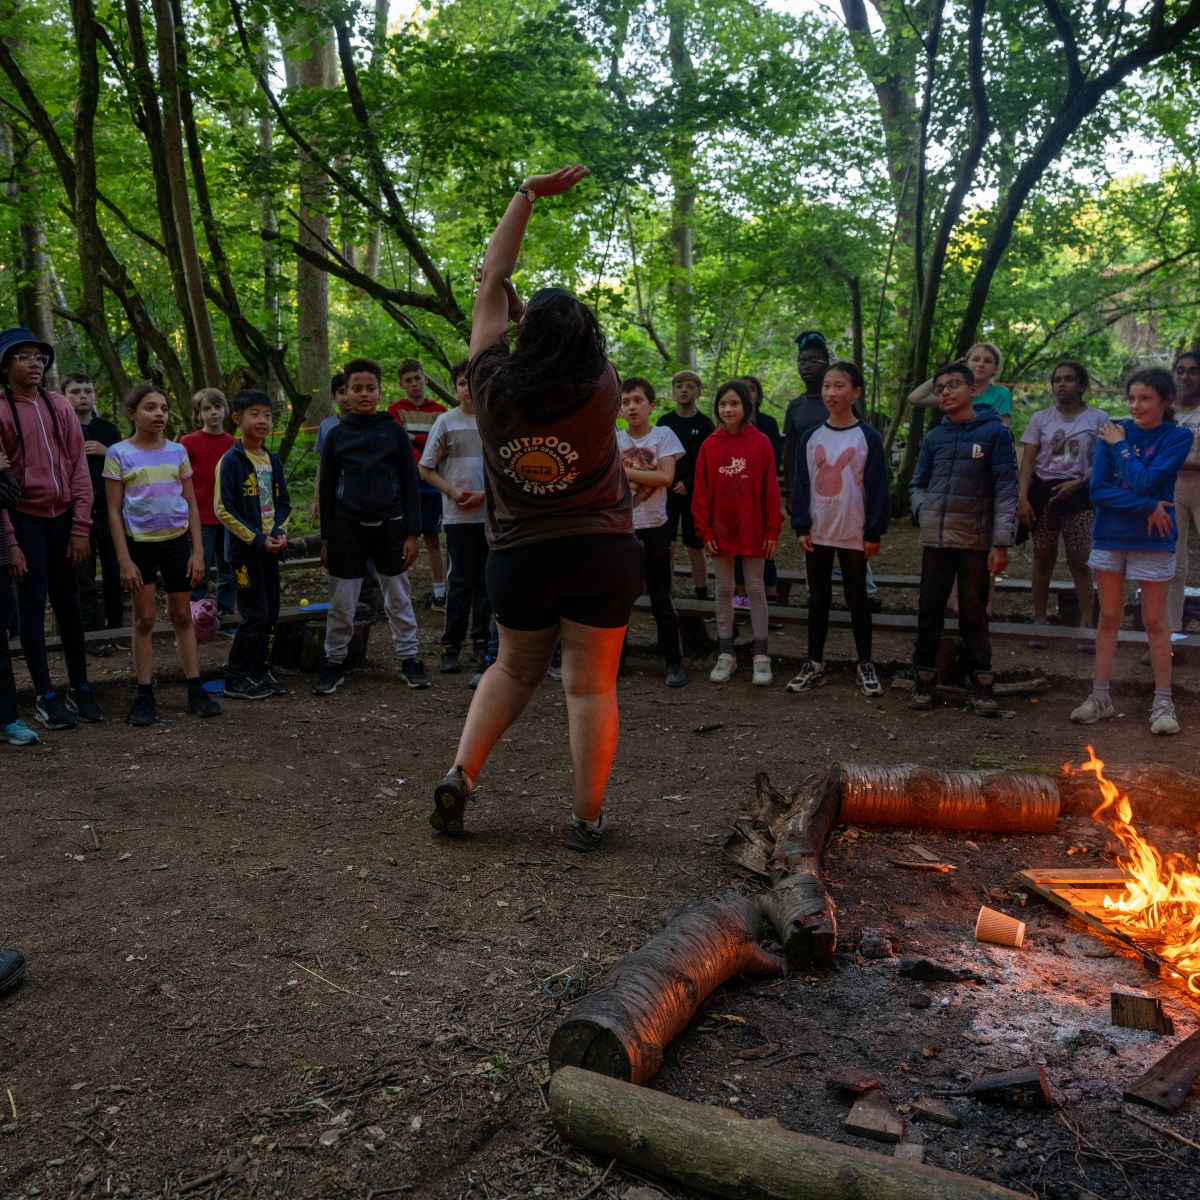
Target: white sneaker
868	680
1162	718
1094	709
762	671
723	671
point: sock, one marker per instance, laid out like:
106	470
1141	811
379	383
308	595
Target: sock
1100	690
439	591
725	645
145	689
702	593
760	647
592	824
1162	694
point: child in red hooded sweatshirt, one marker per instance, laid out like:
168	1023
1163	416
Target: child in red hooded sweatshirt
737	511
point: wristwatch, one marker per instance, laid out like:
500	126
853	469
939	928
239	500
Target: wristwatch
529	195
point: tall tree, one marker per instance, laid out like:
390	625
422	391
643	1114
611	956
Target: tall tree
681	161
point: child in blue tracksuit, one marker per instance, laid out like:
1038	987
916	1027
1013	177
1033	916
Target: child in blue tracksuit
1133	536
964	493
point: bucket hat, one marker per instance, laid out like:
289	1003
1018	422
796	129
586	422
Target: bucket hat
17	336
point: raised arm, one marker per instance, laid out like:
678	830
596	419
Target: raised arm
494	299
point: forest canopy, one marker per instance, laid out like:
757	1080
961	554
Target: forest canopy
216	192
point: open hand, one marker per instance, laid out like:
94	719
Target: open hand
131	577
411	550
17	565
1067	488
997	562
78	549
1025	514
1159	521
770	545
562	180
195	569
1112	433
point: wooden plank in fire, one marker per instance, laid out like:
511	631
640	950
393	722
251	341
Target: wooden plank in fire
1082	892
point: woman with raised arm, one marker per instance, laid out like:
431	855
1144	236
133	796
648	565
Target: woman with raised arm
564	565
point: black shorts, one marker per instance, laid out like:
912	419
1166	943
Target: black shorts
170	559
431	513
351	544
592	579
680	508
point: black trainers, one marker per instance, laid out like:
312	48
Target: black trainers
144	711
811	675
583	837
246	689
450	664
415	675
202	704
332	676
266	678
438	602
53	712
921	697
675	675
82	703
12	968
450	802
979	693
479	653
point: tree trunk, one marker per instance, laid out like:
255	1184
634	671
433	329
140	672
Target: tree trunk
683	182
209	366
270	245
370	261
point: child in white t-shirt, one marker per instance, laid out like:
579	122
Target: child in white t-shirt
649	453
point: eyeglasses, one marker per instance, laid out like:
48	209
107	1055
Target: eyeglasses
949	385
26	360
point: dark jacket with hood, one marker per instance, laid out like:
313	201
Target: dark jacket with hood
368	473
239	507
964	489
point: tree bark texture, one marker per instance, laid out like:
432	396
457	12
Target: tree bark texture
721	1153
683	182
650	995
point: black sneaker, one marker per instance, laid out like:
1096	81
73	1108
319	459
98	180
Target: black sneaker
53	712
415	675
473	682
144	711
246	689
82	703
675	676
12	968
332	676
450	664
979	693
555	671
450	802
202	704
266	678
921	697
811	675
438	602
479	653
582	837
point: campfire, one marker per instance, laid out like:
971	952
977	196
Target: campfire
1160	905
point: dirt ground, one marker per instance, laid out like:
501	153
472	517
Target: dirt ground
272	979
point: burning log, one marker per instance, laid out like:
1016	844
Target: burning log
721	1153
1166	1085
650	995
798	905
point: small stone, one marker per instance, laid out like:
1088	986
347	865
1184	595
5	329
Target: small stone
920	1000
874	944
330	1137
938	1111
376	1133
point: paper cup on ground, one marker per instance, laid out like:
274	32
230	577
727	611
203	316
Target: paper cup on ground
1000	930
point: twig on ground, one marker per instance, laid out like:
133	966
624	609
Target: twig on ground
1160	1128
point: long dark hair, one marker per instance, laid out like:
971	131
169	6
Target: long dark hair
558	358
742	392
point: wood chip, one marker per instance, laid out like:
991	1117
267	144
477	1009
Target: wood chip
874	1117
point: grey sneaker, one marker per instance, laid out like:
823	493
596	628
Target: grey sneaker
675	675
922	696
1162	718
979	692
1093	709
811	675
583	837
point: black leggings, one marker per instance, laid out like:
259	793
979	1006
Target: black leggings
819	565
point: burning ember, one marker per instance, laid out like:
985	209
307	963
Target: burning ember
1162	899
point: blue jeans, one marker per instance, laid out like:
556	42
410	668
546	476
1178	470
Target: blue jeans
212	538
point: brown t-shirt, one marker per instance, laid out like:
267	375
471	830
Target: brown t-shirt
558	478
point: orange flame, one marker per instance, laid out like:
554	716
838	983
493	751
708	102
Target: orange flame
1163	897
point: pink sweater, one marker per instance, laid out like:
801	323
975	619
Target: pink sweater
50	463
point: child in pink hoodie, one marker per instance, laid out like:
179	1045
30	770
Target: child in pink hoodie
47	532
737	510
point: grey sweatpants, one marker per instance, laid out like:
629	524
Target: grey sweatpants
397	603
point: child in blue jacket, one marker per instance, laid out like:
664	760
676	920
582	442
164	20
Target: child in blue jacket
1133	536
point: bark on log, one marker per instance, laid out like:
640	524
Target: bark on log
798	905
650	995
721	1153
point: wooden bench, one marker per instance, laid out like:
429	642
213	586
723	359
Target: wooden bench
911	582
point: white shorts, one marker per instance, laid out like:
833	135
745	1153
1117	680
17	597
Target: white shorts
1146	566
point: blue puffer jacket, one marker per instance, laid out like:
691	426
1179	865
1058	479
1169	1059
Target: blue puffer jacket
964	489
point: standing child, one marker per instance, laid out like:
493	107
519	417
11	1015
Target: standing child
253	505
649	454
1133	487
15	732
840	506
1187	487
370	509
964	494
452	462
736	507
691	427
205	449
156	529
984	360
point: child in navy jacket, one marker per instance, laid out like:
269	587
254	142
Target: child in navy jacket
1133	536
839	507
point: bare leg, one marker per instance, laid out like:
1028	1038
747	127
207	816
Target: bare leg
143	632
1111	586
179	610
1081	573
506	688
1158	630
433	547
699	566
590	658
1044	558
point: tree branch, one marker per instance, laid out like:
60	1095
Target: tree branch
1066	33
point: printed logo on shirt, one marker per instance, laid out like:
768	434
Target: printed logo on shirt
829	475
540	464
640	458
250	486
976	451
736	467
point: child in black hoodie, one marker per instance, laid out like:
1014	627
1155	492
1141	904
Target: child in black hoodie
370	508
